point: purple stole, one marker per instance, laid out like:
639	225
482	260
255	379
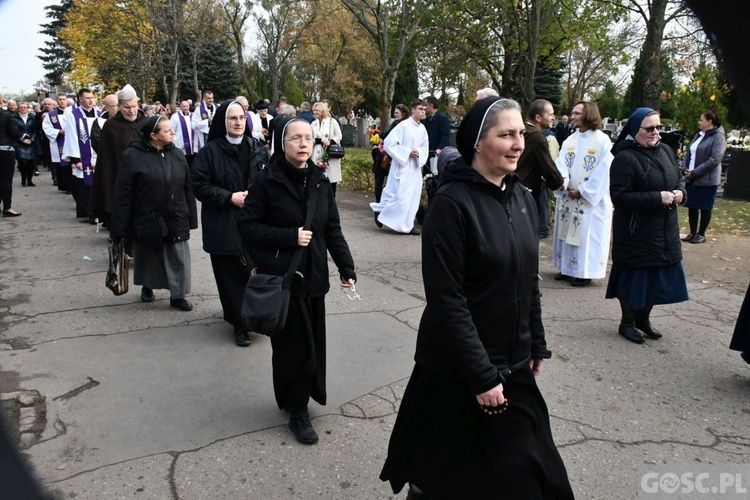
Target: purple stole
84	144
248	121
186	139
204	111
60	139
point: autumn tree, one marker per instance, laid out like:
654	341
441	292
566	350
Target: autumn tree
56	57
281	27
391	26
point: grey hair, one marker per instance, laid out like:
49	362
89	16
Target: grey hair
486	92
289	110
492	114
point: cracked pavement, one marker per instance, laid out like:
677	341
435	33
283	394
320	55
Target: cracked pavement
144	400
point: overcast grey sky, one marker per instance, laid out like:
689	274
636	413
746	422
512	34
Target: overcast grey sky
20	42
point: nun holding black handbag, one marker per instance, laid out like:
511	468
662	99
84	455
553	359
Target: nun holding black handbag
289	206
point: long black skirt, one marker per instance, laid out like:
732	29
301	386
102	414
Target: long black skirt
445	445
299	355
231	276
741	337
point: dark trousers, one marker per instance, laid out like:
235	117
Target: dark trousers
380	177
81	193
231	276
27	169
7	169
299	355
542	202
64	177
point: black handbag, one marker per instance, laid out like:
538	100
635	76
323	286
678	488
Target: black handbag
118	274
265	304
336	151
151	230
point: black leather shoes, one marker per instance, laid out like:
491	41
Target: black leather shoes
147	295
745	356
563	277
181	304
415	232
302	428
241	338
698	239
688	237
377	222
631	333
11	213
579	282
648	330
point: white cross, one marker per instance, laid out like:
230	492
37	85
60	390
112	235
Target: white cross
88	170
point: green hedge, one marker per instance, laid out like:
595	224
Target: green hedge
356	170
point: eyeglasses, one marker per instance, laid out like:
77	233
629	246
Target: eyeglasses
351	293
240	118
300	139
650	130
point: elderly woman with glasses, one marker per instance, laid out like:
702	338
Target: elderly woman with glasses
272	223
153	203
221	174
646	187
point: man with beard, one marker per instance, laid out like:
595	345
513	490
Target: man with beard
117	133
536	166
52	125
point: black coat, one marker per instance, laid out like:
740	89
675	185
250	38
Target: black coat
438	130
645	232
9	131
216	174
480	266
144	185
269	221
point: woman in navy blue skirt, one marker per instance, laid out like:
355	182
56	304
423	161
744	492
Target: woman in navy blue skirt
701	166
646	187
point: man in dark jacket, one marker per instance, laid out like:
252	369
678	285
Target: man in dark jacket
118	132
9	134
562	130
438	127
536	168
221	175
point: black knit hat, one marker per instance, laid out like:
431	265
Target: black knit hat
471	126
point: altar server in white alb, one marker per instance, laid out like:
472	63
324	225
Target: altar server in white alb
182	125
78	152
583	216
202	118
408	146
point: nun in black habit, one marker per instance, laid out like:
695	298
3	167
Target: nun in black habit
472	422
271	223
221	174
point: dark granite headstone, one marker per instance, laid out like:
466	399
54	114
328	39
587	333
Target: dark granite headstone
348	132
738	176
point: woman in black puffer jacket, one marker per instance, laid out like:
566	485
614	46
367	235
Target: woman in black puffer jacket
153	179
645	187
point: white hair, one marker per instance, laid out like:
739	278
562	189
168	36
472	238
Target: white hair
486	92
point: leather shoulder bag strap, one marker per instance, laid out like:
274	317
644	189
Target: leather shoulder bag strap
297	257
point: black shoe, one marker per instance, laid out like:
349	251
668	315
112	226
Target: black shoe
54	182
562	277
631	333
579	282
241	337
9	213
647	329
147	295
302	428
377	222
181	304
698	239
23	183
415	232
745	356
30	184
36	174
688	237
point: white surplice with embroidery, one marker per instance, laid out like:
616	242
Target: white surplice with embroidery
400	199
583	226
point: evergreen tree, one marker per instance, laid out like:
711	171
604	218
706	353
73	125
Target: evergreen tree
217	70
548	81
291	90
56	56
407	81
610	104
